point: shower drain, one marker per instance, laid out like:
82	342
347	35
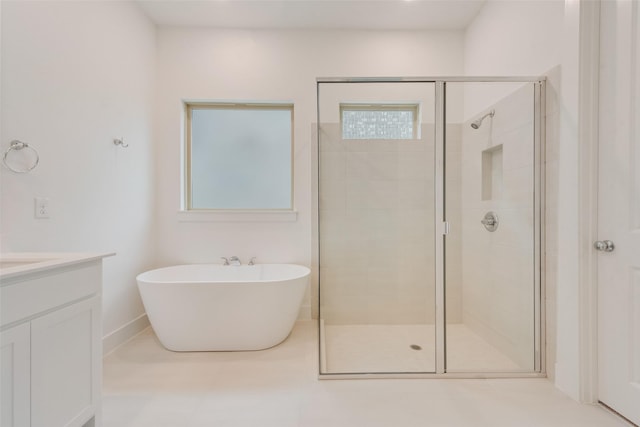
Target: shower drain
415	347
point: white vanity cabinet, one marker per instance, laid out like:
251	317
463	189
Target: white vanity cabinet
15	376
51	345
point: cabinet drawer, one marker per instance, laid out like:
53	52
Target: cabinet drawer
47	290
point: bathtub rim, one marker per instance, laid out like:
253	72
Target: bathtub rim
304	272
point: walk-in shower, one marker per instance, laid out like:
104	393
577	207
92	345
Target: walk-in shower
415	276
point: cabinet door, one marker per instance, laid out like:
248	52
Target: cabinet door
15	376
66	365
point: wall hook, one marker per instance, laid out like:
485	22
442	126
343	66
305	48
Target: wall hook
120	142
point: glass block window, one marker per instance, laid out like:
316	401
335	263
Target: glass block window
380	121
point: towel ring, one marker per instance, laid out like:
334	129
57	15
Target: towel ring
120	142
19	145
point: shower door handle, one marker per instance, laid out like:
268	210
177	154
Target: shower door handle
604	245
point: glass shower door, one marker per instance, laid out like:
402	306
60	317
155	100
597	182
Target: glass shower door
376	183
492	205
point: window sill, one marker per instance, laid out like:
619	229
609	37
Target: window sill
237	216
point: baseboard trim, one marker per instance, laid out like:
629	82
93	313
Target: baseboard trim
123	334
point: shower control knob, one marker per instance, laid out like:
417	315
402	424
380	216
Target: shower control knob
490	221
604	245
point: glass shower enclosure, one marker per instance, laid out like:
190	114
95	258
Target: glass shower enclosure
429	226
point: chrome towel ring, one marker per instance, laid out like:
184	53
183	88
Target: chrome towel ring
17	146
120	142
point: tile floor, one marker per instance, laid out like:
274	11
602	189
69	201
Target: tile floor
148	386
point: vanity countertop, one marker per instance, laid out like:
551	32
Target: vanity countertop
14	264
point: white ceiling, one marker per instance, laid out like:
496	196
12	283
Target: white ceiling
315	14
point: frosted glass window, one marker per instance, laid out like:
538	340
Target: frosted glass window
379	121
239	156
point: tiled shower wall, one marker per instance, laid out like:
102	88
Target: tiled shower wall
376	229
498	267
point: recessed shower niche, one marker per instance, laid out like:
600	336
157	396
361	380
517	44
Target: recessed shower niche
410	281
492	173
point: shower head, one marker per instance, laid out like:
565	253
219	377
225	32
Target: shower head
477	123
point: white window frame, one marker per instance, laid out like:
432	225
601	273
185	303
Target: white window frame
188	212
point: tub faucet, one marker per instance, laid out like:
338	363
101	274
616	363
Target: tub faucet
234	260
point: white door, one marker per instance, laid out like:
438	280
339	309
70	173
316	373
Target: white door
619	209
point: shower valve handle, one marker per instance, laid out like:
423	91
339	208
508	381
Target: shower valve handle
490	221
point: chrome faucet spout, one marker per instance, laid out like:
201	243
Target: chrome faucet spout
234	260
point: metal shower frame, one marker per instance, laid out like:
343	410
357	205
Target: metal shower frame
440	221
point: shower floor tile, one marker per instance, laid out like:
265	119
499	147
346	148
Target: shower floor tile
379	348
388	348
469	352
147	386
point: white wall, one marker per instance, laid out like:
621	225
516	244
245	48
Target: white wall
511	38
268	65
543	38
71	84
75	75
518	38
564	216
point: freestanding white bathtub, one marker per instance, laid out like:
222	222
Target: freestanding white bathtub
211	307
